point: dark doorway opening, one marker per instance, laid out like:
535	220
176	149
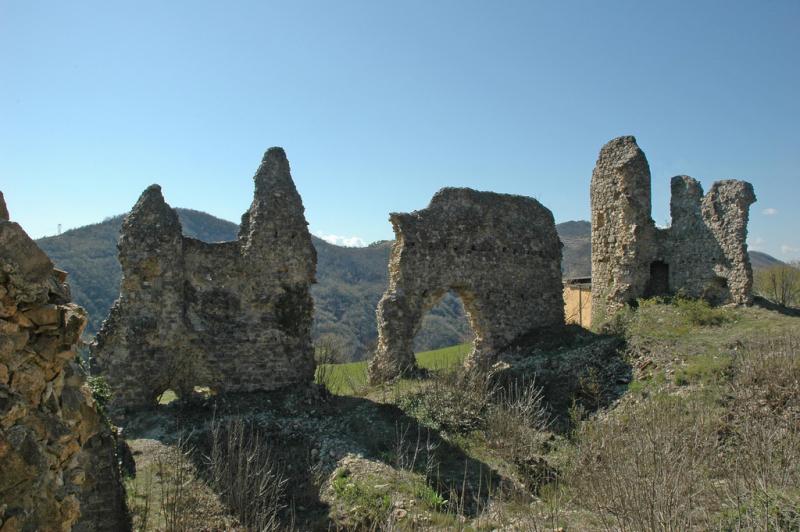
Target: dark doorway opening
658	285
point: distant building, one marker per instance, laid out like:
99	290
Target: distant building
578	301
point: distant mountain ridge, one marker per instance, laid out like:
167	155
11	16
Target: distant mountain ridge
350	281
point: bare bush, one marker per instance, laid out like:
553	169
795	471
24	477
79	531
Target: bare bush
176	473
761	470
452	400
329	349
412	452
516	414
241	470
647	468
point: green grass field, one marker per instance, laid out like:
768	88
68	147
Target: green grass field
344	379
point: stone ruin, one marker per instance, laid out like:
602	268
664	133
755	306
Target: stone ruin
702	254
500	253
231	316
57	455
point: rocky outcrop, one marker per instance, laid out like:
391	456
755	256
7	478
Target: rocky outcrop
231	316
47	414
702	254
500	253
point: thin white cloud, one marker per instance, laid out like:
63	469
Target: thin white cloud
756	242
786	249
346	241
769	211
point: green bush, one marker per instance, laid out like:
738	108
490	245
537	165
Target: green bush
101	391
367	507
699	312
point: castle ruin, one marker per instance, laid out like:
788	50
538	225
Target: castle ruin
231	316
702	254
500	253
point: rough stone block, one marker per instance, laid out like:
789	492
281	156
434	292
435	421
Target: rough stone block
39	440
18	250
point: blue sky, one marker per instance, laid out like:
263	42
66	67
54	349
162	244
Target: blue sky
379	104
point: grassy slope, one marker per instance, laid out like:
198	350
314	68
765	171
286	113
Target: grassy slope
688	361
697	427
345	379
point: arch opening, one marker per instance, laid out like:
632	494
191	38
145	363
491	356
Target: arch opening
445	324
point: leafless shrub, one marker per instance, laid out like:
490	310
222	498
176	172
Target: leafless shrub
761	460
140	502
413	452
647	468
779	284
452	400
517	409
167	493
175	470
514	424
241	470
329	349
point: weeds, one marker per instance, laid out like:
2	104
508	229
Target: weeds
699	312
703	369
762	441
367	506
241	470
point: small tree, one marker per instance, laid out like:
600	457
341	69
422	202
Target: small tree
780	284
329	349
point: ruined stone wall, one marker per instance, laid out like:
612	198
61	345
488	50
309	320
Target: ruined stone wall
233	316
623	233
500	253
102	496
702	254
47	414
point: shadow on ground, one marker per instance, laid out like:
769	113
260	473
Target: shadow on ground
309	431
769	305
580	369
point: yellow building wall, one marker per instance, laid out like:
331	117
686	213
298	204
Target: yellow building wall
578	305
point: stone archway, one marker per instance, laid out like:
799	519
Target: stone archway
499	253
